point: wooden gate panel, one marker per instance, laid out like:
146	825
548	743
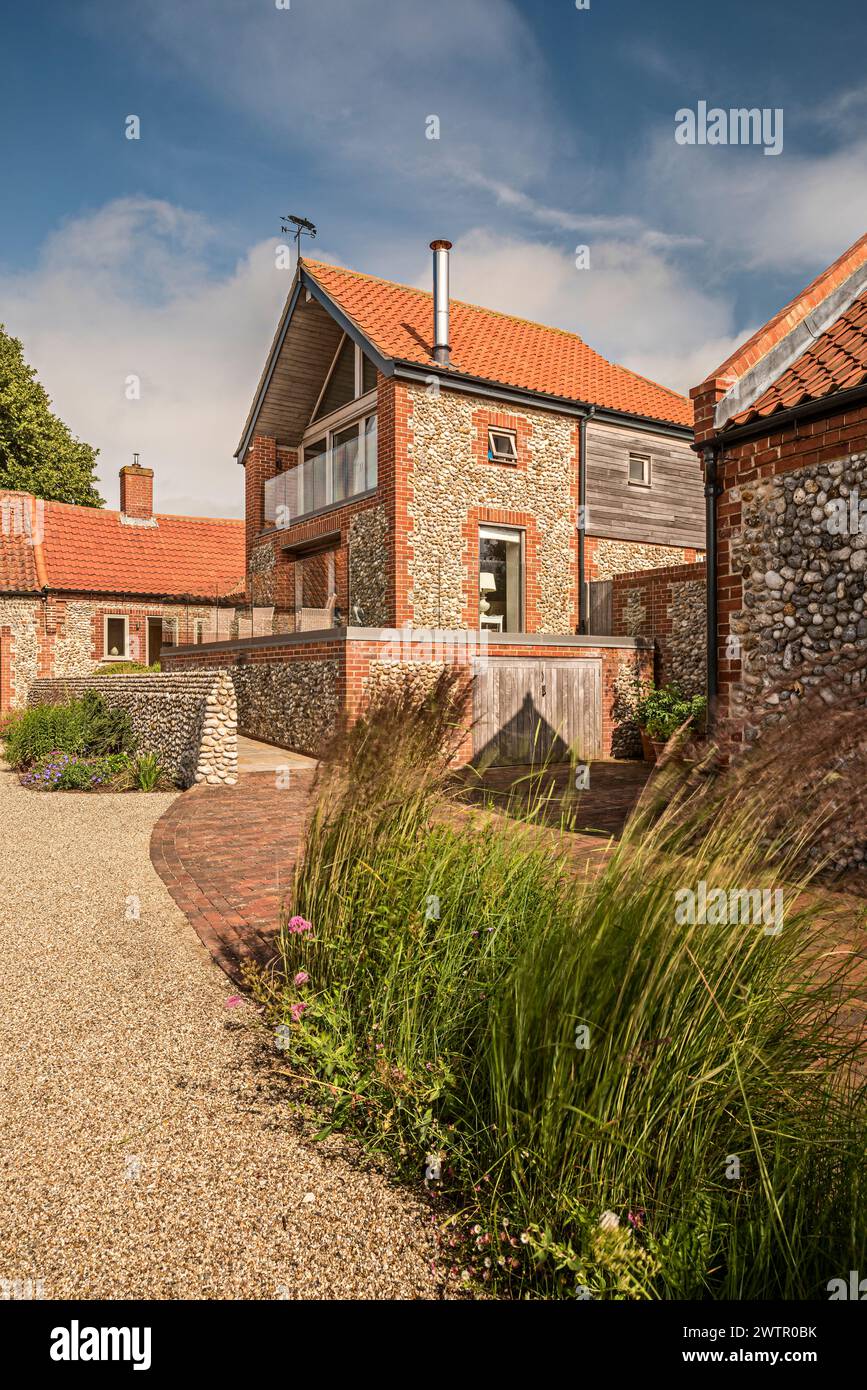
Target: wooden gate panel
533	710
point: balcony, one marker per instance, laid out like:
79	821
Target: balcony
335	469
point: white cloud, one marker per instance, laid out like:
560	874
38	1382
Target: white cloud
633	305
129	290
198	346
792	214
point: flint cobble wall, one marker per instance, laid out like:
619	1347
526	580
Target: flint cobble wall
669	606
187	719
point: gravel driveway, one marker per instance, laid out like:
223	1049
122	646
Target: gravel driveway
148	1151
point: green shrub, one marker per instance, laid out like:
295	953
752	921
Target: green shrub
85	726
60	771
439	978
127	668
661	711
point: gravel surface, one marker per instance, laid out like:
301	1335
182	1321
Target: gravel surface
148	1149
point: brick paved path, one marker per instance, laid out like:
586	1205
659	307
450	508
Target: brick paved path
226	856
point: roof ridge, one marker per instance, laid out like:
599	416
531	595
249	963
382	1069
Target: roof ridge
820	288
510	318
465	303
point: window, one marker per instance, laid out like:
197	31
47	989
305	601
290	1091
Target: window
198	632
115	639
501	566
338	466
351	375
639	470
502	446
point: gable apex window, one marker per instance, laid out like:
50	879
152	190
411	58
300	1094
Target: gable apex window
639	470
350	376
502	446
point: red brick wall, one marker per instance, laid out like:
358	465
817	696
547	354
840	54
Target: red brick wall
654	589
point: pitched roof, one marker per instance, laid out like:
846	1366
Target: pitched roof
498	348
88	549
836	361
791	315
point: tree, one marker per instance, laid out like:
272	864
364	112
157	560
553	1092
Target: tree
38	453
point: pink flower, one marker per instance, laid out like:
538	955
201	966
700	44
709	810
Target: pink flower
301	978
299	924
296	1011
233	1001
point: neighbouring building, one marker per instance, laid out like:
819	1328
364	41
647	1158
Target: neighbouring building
782	430
83	587
417	463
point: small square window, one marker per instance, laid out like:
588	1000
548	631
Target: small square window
116	638
502	446
639	469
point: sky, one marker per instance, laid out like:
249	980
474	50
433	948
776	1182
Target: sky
155	258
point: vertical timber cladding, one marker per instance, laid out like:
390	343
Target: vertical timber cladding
525	711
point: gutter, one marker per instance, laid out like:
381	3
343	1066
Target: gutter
517	395
712	489
768	424
582	516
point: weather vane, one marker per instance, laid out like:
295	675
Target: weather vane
302	228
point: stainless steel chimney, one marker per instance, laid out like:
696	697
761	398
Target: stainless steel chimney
441	251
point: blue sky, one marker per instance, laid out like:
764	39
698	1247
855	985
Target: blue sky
156	257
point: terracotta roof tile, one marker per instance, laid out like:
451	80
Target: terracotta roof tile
793	313
92	550
836	361
495	347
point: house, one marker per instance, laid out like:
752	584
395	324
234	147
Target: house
782	430
418	463
82	587
394	479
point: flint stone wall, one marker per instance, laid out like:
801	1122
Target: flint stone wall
293	704
189	720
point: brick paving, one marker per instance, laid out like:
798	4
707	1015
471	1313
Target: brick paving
226	855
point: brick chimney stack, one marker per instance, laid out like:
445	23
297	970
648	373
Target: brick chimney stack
137	491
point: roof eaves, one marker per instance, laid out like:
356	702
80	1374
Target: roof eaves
758	378
268	369
566	405
306	281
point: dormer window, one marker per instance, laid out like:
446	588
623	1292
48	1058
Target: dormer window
502	446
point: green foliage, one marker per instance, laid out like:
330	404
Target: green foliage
147	772
86	727
439	977
38	454
67	772
661	711
127	668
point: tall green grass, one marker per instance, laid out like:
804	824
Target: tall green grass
705	1139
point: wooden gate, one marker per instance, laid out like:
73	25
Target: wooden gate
600	606
532	711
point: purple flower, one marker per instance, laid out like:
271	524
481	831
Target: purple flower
299	924
301	978
296	1011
